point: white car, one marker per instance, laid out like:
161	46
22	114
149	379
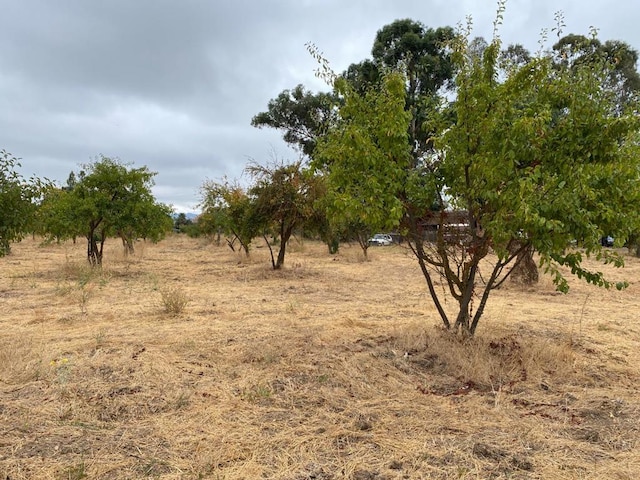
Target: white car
381	240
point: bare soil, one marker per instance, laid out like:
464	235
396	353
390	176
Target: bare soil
331	368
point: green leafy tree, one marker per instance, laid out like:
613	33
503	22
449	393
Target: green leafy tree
227	207
305	117
538	159
283	196
363	76
536	155
320	223
620	60
302	115
623	79
422	54
143	217
56	216
515	55
366	158
180	222
108	199
17	202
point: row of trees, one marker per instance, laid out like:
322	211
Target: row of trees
281	200
105	199
538	152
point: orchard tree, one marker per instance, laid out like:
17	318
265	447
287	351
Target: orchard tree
283	197
537	156
226	207
622	79
108	199
536	160
57	218
366	158
17	202
306	118
143	218
321	223
622	76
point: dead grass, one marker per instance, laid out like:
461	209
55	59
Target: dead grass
330	368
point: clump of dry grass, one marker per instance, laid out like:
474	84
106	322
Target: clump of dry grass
21	361
174	300
491	361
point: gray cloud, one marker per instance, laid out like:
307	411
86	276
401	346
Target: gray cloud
173	84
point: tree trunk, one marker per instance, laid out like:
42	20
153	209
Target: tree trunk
363	241
281	253
419	252
334	245
127	244
525	270
633	245
94	255
284	238
465	303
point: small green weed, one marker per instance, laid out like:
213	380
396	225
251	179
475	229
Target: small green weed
74	472
256	393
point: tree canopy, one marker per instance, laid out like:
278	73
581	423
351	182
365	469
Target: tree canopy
619	59
366	156
302	115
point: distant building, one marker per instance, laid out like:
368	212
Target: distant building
454	223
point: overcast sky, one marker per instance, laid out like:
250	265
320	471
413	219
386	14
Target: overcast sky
173	84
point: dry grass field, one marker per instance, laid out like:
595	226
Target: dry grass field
331	368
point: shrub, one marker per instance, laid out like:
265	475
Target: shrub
174	300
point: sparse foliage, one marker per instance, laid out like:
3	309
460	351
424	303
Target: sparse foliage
284	200
226	207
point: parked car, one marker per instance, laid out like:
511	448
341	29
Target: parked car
607	241
381	240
